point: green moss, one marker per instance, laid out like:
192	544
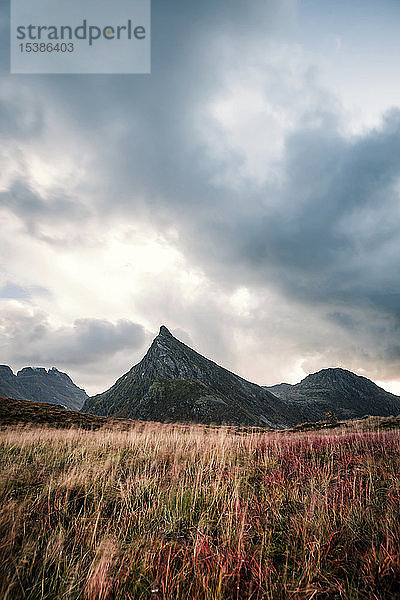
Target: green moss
179	389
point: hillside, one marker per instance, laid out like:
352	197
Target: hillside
27	412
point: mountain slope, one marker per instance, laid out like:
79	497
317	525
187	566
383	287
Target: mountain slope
10	385
39	385
342	392
175	383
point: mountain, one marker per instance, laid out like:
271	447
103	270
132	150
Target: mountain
175	383
39	385
346	395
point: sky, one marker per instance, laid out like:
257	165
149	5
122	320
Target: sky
245	194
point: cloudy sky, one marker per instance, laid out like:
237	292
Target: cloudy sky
245	194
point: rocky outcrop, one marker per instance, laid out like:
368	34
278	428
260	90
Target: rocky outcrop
39	385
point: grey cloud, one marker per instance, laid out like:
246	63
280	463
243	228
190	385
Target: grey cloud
100	337
14	291
20	118
28	338
331	231
141	128
4	37
23	201
35	211
341	214
90	340
10	290
344	320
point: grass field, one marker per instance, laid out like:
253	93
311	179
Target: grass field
186	512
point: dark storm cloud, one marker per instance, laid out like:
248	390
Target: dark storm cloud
30	339
142	128
334	231
96	337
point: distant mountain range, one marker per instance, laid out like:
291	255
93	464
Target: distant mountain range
40	385
175	383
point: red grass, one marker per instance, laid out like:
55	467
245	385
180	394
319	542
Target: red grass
188	512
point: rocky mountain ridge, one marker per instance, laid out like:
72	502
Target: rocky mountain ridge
41	385
337	391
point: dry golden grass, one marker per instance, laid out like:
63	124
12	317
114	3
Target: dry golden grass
189	512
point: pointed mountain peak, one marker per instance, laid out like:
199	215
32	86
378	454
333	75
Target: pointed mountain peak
173	383
164	331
